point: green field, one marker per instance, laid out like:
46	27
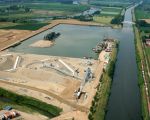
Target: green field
103	19
143	11
52	7
6	24
17	107
111	3
27	104
147	50
145	29
21	19
141	14
58	7
112	9
139	58
107	14
29	26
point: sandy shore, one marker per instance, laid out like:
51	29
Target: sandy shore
42	44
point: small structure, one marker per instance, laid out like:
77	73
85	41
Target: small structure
79	92
147	41
88	75
75	2
2	117
8	108
9	115
91	11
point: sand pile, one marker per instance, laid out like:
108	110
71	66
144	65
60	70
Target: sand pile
42	43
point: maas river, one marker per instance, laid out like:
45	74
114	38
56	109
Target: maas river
124	102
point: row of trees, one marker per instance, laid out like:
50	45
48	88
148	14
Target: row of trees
14	8
17	20
107	75
84	18
143	26
118	19
46	109
142	23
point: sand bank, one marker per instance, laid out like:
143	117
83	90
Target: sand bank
42	43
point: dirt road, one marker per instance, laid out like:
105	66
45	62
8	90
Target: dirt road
77	107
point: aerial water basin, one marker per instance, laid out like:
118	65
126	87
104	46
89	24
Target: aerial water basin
74	41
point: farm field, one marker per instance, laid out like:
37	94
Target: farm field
111	11
143	12
147	50
103	19
6	24
28	26
107	14
57	7
24	15
142	17
110	3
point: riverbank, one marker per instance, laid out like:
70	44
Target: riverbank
99	103
142	83
141	72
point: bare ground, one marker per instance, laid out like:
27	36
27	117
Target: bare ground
42	43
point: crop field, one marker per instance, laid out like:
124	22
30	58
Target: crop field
42	10
28	26
18	18
141	14
6	24
103	19
58	7
145	29
143	11
111	11
147	50
110	3
107	14
53	7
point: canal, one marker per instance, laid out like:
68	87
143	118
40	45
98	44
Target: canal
124	101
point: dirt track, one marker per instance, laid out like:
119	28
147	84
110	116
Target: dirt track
8	37
77	107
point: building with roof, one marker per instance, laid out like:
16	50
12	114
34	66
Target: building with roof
147	41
